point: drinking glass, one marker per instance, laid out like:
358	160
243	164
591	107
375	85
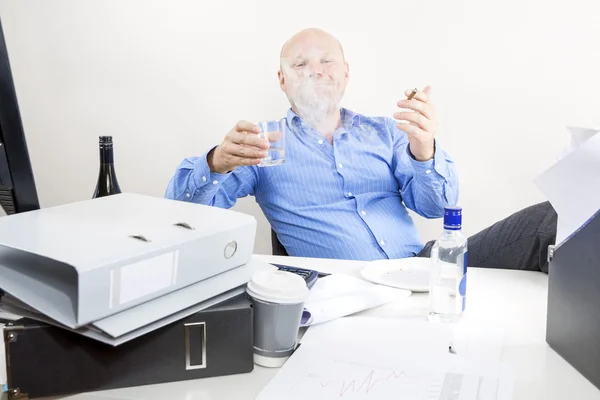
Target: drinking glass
274	132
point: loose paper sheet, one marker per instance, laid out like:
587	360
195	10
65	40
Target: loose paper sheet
572	185
7	316
380	358
339	295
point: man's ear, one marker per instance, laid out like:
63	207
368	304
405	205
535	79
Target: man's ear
281	79
347	70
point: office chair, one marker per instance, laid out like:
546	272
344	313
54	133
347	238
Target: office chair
277	247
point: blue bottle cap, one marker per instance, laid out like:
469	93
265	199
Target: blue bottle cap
453	218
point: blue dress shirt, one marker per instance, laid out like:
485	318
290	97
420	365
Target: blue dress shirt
345	201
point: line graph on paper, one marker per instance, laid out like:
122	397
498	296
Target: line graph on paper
372	382
344	380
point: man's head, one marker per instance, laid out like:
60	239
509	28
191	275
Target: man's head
313	74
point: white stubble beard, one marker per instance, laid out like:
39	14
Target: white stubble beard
312	106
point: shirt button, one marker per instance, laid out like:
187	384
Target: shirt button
340	166
215	182
349	194
204	179
428	171
187	195
320	141
382	242
363	212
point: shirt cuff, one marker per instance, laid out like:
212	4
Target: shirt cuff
432	168
203	175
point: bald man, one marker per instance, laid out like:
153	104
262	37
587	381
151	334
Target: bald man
348	179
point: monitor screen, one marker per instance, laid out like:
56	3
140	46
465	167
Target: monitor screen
17	186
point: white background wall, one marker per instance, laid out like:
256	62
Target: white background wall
168	78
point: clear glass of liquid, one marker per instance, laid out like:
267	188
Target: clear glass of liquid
274	132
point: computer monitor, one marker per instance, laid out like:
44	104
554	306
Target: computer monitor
17	185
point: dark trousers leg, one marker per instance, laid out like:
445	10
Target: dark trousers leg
519	241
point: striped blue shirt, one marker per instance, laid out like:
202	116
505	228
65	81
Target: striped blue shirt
348	200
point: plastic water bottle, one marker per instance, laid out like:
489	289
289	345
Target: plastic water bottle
448	282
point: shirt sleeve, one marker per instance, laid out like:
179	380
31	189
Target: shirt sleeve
426	186
194	182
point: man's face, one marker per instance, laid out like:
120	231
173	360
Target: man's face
313	75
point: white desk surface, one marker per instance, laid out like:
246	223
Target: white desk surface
515	299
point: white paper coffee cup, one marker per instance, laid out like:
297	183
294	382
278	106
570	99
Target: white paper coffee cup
278	298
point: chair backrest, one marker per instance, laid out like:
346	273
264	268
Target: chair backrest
277	247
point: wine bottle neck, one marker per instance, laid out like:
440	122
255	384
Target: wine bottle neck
106	154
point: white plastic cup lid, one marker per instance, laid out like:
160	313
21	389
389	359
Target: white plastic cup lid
278	287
